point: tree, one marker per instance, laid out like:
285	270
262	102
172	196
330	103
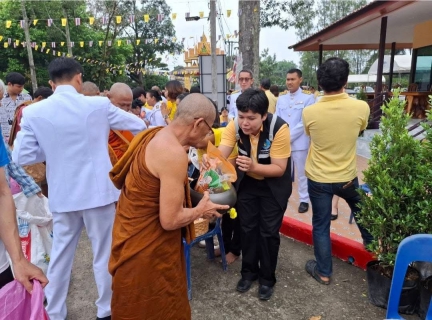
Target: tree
274	70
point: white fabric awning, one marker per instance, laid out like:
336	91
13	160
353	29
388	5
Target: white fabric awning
363	78
402	64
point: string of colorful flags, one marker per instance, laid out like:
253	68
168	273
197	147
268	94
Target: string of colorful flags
104	19
109	67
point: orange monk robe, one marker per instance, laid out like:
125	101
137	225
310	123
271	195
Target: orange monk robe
147	262
118	145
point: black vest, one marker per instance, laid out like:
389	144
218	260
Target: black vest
281	187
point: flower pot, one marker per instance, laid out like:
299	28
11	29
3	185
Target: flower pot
425	297
228	197
379	284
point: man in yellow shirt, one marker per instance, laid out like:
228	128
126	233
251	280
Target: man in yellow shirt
263	186
265	86
333	125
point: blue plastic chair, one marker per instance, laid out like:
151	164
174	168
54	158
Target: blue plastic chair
208	237
414	248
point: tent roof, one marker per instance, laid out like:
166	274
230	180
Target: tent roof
359	78
360	29
402	64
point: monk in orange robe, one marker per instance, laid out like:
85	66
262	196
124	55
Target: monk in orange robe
121	96
153	214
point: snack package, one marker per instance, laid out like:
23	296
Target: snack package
219	175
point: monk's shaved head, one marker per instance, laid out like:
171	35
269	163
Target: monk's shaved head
121	96
193	106
90	89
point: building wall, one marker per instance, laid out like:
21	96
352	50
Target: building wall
422	35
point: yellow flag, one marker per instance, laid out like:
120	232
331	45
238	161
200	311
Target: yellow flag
156	40
138	42
118	43
150	59
121	71
17	42
174	16
118	19
48	50
201	14
68	55
82	44
64	21
100	43
146	18
35	21
228	36
91	20
8	24
36	47
62	43
1	38
5	44
228	13
43	44
174	39
58	53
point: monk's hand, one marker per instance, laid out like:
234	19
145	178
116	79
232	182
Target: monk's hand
205	163
244	163
209	209
164	109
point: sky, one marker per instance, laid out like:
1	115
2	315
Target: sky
274	38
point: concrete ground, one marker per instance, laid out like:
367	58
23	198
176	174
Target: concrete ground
297	296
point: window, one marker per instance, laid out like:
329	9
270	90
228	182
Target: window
423	72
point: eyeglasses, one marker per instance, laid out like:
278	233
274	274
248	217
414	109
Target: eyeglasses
208	126
244	79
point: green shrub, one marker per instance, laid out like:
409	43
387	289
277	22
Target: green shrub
400	178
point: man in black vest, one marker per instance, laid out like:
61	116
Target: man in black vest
263	186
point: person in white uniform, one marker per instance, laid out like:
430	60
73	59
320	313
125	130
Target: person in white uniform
245	80
70	132
290	107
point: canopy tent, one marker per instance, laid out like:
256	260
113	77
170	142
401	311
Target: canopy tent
402	64
363	78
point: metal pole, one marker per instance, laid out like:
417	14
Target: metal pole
213	49
320	57
381	51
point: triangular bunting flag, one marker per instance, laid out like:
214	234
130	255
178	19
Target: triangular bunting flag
35	21
118	19
100	43
91	20
43	44
138	42
146	18
82	44
62	43
119	43
8	25
64	22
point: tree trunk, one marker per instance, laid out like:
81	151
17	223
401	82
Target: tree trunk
68	40
249	26
29	48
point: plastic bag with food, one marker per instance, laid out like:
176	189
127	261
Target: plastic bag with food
218	173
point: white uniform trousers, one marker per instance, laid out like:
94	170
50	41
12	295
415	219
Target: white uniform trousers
298	158
66	233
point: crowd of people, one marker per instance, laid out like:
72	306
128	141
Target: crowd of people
117	164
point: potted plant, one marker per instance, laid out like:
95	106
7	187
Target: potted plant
361	95
399	178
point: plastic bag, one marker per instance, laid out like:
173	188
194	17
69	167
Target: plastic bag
220	174
35	229
17	304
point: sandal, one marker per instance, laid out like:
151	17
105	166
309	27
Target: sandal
311	269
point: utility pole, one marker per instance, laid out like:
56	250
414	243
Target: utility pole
29	48
213	49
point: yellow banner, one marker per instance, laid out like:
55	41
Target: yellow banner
118	19
100	43
138	42
118	43
146	18
82	44
5	44
91	20
62	43
156	40
63	21
201	14
174	16
48	50
59	53
17	42
35	21
43	44
228	13
8	25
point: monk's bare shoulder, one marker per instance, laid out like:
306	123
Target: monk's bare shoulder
164	152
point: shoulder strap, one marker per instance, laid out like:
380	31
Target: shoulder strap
272	126
121	137
236	128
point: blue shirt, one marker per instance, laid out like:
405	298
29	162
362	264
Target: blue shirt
4	159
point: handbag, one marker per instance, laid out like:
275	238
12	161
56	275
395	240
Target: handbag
37	171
